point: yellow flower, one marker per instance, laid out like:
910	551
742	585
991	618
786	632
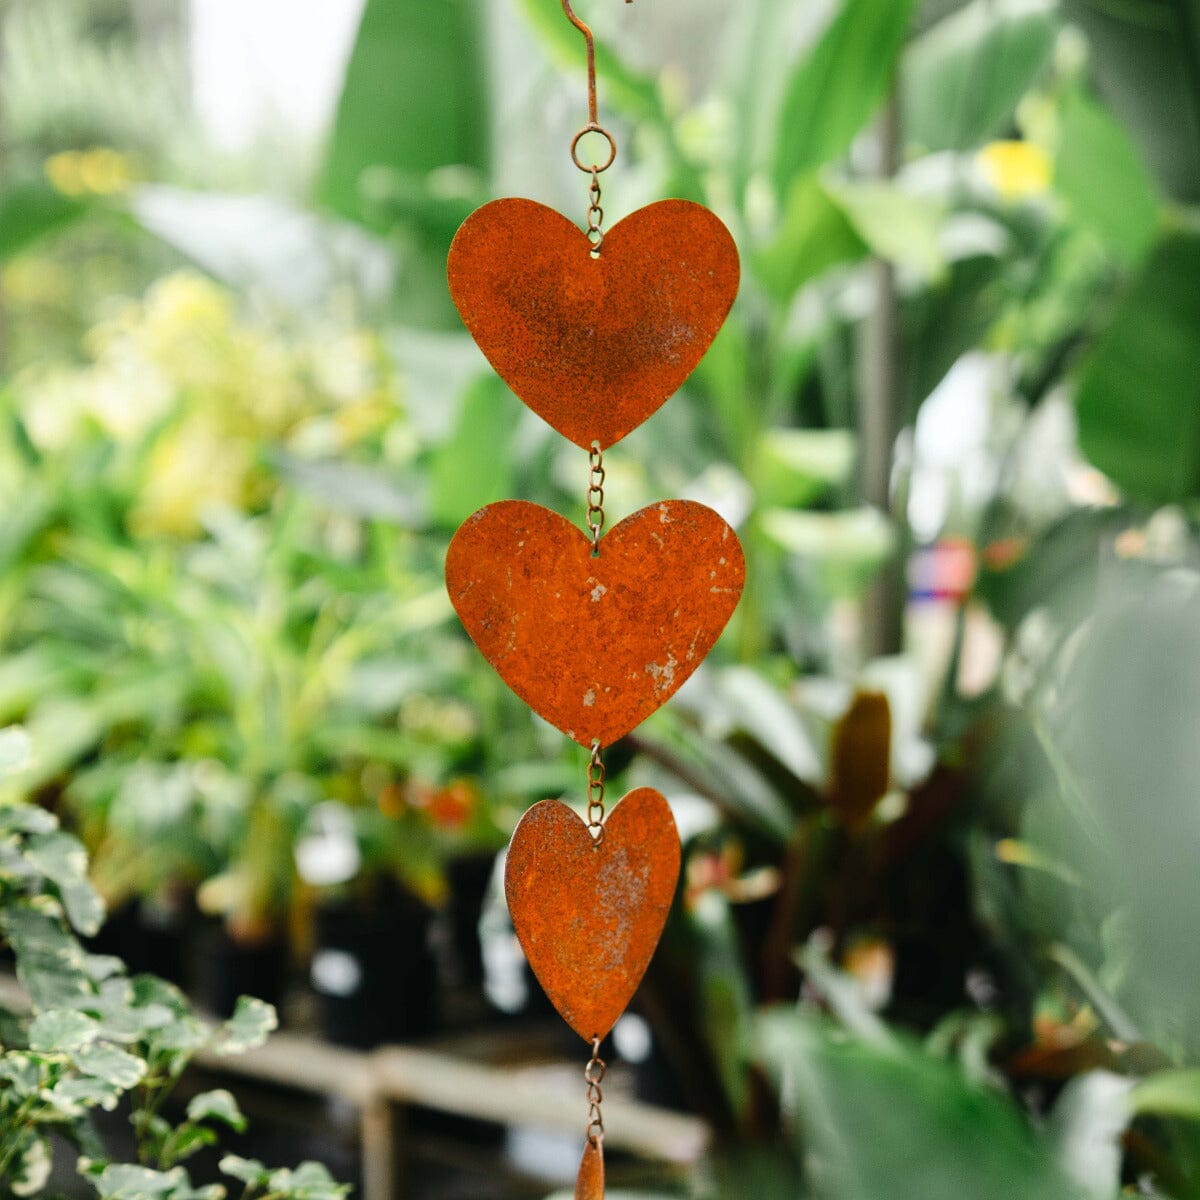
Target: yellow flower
192	469
1017	170
100	171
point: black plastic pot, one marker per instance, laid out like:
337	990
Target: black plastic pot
468	877
373	972
227	968
149	936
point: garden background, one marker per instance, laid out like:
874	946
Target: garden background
938	784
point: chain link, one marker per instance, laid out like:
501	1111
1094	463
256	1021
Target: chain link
595	214
593	1074
595	496
595	790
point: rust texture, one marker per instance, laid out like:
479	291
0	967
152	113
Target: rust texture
594	345
589	914
595	644
589	1184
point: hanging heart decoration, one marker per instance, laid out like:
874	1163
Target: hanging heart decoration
588	914
594	345
595	644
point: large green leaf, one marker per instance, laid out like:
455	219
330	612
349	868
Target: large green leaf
838	84
963	77
413	99
636	94
30	209
1146	64
879	1121
813	235
1139	391
475	466
1098	172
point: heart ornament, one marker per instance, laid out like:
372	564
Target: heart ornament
595	644
589	914
594	345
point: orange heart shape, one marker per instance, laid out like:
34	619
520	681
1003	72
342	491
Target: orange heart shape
595	644
588	914
593	345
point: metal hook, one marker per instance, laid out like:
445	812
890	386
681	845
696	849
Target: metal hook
593	112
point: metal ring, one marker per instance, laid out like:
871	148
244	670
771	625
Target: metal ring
612	148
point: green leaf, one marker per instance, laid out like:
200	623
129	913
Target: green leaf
814	234
63	860
796	467
413	100
60	1030
16	749
123	1181
1145	59
355	489
1099	174
112	1065
185	1141
30	209
1138	398
249	1170
749	703
474	467
962	78
217	1105
943	1136
845	549
838	85
252	1020
635	94
266	245
31	1163
727	1004
1168	1094
896	226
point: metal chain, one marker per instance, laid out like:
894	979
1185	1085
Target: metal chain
595	214
595	790
593	1073
595	496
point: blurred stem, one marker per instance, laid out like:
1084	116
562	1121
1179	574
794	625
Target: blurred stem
880	401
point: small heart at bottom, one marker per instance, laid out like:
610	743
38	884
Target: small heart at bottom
589	916
589	1184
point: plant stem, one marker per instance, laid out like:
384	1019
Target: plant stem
880	404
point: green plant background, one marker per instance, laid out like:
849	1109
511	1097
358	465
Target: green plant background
937	929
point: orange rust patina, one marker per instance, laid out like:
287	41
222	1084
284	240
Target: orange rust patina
589	1185
595	644
594	345
589	914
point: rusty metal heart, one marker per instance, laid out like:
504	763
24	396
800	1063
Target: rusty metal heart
595	644
593	345
589	915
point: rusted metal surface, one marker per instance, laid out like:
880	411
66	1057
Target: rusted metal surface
594	345
595	644
589	914
589	1184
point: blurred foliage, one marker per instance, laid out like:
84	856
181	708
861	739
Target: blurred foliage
93	1035
972	864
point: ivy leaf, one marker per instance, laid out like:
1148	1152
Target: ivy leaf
217	1105
31	1165
16	750
248	1170
252	1020
63	860
112	1065
62	1030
